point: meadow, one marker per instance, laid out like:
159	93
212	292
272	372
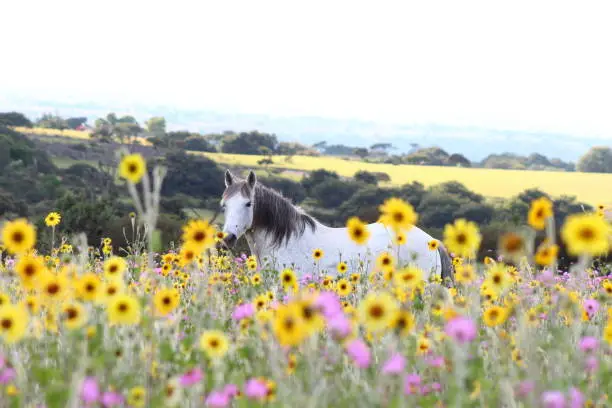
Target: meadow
191	325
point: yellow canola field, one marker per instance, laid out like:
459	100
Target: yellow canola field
592	188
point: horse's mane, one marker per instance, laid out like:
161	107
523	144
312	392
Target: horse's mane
278	216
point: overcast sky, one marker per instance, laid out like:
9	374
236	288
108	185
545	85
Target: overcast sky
524	65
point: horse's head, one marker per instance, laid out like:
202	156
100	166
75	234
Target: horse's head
237	203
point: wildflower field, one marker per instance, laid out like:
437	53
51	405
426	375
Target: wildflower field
193	325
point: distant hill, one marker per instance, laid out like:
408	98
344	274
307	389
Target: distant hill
474	143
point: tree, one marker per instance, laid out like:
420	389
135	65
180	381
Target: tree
366	177
361	152
74	123
118	128
157	126
196	176
14	119
318	176
249	143
458	160
597	160
50	121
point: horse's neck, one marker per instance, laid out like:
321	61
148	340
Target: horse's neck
262	244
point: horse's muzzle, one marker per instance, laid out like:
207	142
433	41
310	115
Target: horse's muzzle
229	241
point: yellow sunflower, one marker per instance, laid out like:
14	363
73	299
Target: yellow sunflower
344	288
137	397
288	279
199	234
385	261
377	310
54	288
74	315
403	322
546	254
498	278
398	214
18	236
317	254
30	269
52	219
288	325
89	287
512	246
462	238
433	244
586	234
540	210
409	277
464	274
400	238
13	323
132	167
166	300
495	315
123	310
114	268
214	343
342	267
357	230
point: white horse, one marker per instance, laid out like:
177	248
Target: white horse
281	235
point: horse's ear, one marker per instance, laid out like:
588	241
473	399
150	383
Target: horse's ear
251	179
229	179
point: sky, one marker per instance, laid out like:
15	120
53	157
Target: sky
522	65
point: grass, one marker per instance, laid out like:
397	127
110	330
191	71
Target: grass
66	162
488	182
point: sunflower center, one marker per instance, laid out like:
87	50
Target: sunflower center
199	236
289	324
132	168
18	237
90	287
377	311
513	243
287	278
113	268
6	324
587	233
111	291
29	270
540	213
53	288
493	314
386	261
358	232
401	323
343	286
213	343
166	300
461	238
497	279
307	312
71	313
123	307
398	217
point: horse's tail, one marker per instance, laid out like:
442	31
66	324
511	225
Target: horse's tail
446	263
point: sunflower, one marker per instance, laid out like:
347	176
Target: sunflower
408	277
377	310
342	267
54	288
357	230
433	244
74	315
462	238
607	334
423	346
256	279
18	236
400	238
385	261
311	318
166	300
586	234
540	210
137	397
260	302
546	254
457	261
111	290
187	255
494	316
288	279
123	310
355	278
317	254
498	278
464	274
166	269
168	258
132	167
52	219
29	269
344	288
114	268
214	343
199	234
13	323
89	287
288	325
398	214
32	304
512	246
403	322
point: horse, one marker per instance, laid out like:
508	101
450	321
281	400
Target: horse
281	235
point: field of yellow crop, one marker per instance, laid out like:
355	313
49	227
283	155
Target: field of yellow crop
71	133
588	187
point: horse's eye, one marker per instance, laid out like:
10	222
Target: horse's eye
248	204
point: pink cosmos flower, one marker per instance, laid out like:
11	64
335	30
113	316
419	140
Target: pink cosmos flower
359	352
7	375
591	307
524	388
191	377
412	382
462	329
111	399
255	389
231	390
553	399
339	326
90	392
329	304
576	398
394	365
217	399
243	311
591	364
434	361
588	344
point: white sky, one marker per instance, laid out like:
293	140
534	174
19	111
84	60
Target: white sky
536	65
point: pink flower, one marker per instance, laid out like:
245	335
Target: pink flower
111	399
412	383
553	399
217	399
591	307
339	326
394	365
576	398
255	389
231	390
436	386
462	329
435	361
588	344
591	364
359	352
525	388
7	375
191	377
329	304
243	311
90	392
